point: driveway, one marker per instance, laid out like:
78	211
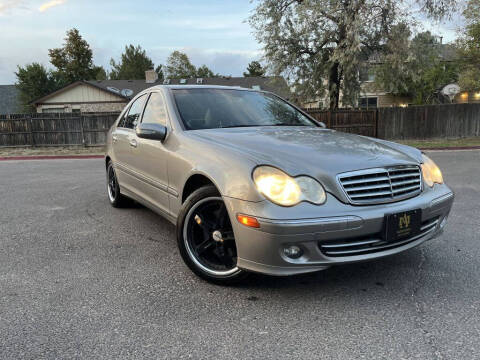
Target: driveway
79	279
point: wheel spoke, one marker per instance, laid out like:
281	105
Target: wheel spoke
227	235
223	256
205	245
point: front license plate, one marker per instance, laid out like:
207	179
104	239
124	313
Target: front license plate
403	225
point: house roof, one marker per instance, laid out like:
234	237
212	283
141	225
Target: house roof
70	86
9	99
275	84
448	52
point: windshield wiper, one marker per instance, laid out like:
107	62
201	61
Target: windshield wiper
258	125
283	124
234	126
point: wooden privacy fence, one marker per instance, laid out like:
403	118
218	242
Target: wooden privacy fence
429	121
55	129
362	122
413	122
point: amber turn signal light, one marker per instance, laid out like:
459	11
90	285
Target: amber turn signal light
248	221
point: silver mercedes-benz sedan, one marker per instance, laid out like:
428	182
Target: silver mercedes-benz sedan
255	184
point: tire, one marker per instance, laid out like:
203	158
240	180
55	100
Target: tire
116	199
205	238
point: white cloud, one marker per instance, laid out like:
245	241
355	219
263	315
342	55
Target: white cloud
50	4
6	6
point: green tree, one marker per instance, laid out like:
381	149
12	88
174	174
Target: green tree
159	71
132	66
414	67
100	73
204	72
73	61
254	69
34	81
392	74
179	66
321	43
468	46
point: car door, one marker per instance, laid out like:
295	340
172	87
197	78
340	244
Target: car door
152	155
123	141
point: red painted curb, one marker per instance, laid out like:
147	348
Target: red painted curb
51	157
452	148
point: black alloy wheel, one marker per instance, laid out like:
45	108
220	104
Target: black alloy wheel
115	198
206	239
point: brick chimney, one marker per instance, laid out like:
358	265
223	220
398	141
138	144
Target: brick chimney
151	76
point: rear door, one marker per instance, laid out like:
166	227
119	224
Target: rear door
152	155
124	140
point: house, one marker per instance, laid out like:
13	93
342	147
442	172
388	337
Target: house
10	100
371	96
113	95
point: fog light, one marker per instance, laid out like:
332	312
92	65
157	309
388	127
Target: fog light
293	251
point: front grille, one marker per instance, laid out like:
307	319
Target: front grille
371	244
377	186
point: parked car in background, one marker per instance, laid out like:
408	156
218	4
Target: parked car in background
255	184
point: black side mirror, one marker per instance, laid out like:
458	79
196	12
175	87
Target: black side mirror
151	131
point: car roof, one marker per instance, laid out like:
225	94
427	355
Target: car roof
193	86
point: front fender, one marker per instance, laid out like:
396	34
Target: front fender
228	170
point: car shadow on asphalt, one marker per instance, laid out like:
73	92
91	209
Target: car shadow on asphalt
379	273
401	269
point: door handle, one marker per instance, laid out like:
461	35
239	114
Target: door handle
133	143
114	138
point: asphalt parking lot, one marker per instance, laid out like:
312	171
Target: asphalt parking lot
79	279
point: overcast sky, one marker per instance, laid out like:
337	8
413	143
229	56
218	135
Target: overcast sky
211	32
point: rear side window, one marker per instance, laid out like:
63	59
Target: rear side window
133	115
155	112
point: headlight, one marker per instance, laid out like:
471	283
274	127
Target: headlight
430	171
285	190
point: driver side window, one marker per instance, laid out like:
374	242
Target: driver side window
133	115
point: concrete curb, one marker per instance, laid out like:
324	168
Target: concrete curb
50	157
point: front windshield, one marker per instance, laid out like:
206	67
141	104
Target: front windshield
220	108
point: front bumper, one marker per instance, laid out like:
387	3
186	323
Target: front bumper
326	233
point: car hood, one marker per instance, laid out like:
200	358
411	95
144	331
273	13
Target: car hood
317	152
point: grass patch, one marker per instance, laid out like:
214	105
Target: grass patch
54	150
441	143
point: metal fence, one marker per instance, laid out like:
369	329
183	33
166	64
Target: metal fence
52	129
